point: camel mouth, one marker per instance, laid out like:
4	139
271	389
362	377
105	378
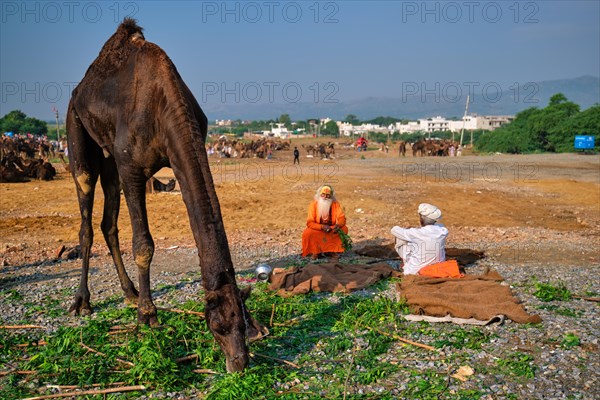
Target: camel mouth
237	363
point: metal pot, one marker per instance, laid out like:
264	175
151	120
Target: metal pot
263	271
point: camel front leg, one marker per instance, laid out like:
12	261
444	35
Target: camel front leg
134	187
109	178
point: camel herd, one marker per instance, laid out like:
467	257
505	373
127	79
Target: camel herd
436	147
323	150
233	148
25	157
19	163
27	147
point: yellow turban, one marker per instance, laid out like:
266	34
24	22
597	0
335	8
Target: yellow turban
325	190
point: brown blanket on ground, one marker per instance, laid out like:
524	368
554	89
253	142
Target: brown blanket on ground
329	277
462	256
480	297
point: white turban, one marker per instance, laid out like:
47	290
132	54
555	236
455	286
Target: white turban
430	211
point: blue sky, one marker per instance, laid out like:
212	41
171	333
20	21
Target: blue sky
274	51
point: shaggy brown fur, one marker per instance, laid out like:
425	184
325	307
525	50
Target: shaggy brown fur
130	116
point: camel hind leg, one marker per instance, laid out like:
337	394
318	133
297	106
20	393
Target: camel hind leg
84	156
109	179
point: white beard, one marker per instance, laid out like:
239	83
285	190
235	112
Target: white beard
323	207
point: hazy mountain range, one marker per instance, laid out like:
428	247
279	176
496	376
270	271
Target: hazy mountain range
444	101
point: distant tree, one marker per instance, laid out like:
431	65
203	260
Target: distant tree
12	121
330	129
18	122
516	137
559	110
383	121
352	119
285	119
552	128
300	125
34	126
556	99
586	122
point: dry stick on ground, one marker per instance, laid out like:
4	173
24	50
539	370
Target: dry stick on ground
206	371
290	322
32	344
272	314
87	392
595	299
21	327
118	332
276	359
123	327
18	372
186	358
175	310
424	346
104	355
62	387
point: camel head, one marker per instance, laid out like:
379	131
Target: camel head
228	319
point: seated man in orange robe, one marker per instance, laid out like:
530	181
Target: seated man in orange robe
325	219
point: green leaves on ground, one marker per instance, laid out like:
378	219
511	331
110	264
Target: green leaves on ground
320	346
549	292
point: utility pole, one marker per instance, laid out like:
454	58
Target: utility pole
57	130
462	131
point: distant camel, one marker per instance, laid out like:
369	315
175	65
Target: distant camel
130	116
154	185
402	148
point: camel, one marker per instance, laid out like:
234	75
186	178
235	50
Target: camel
154	185
130	116
15	169
418	147
402	148
310	150
10	170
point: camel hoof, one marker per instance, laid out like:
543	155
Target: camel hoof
76	310
148	317
151	321
131	300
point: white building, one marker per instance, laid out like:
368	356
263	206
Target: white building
410	127
468	123
347	129
281	131
434	124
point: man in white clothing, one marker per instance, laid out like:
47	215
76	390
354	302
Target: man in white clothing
420	247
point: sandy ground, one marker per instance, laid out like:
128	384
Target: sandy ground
532	208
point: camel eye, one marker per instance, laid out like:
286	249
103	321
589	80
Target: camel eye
220	328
